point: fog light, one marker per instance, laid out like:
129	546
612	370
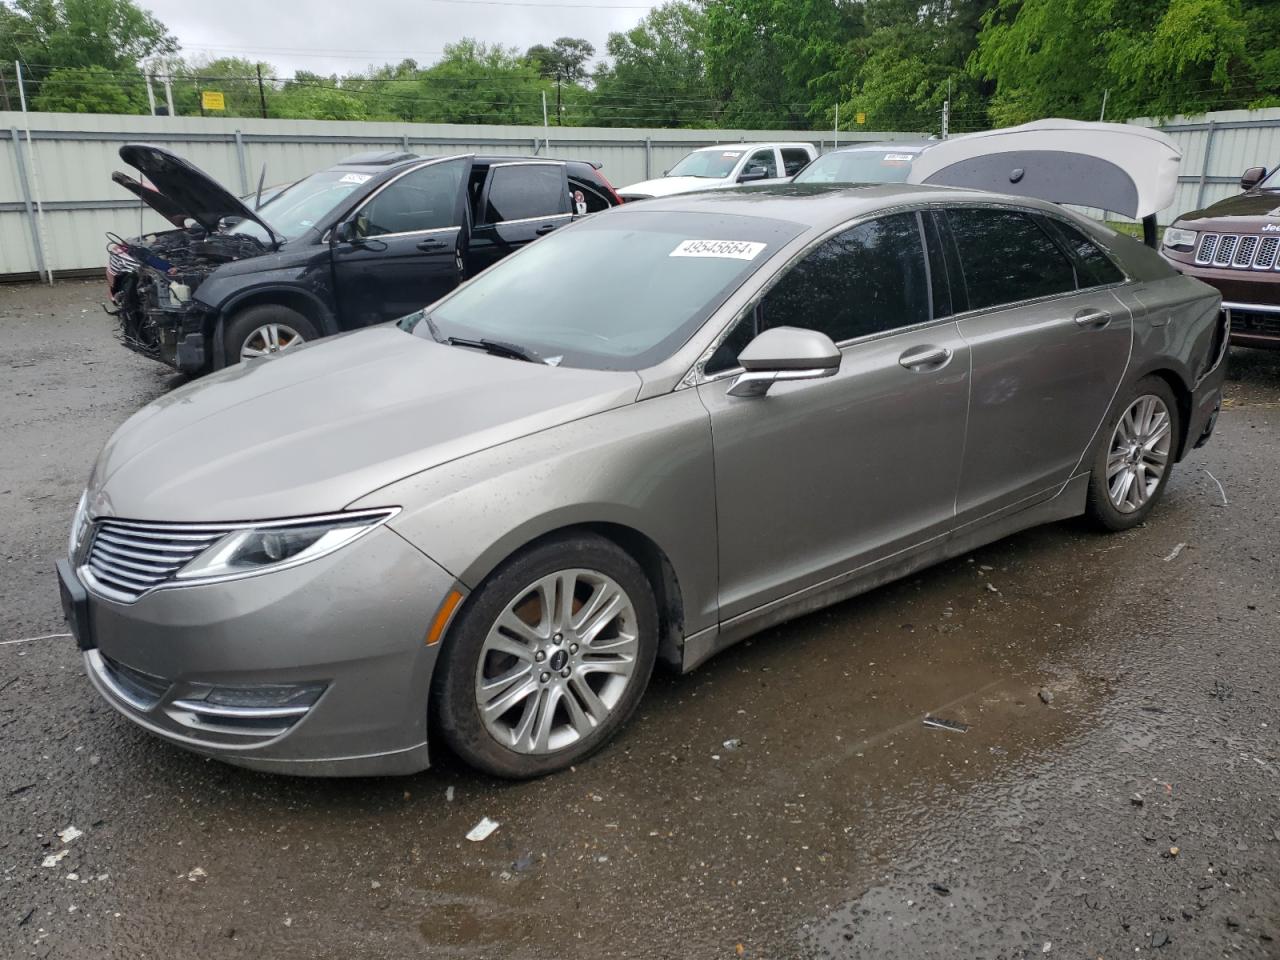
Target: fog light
266	695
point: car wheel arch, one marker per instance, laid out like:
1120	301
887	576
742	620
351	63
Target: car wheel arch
1182	393
300	300
653	560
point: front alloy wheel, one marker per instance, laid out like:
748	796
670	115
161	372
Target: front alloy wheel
547	658
557	661
268	339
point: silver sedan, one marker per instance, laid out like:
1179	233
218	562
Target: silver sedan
644	437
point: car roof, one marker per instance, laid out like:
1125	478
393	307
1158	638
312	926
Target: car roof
879	146
752	146
375	162
818	206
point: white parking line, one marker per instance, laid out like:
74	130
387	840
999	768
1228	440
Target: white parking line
47	636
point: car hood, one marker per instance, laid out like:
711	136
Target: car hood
185	188
1262	206
152	198
313	431
666	186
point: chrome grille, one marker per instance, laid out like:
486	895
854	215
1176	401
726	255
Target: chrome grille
128	559
1238	251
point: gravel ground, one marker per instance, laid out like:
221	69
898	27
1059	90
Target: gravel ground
1116	792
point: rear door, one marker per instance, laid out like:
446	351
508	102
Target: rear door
1049	343
405	250
821	477
520	201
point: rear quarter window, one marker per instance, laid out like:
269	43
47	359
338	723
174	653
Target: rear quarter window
1096	267
524	191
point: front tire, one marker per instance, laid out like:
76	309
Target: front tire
1134	456
548	659
263	330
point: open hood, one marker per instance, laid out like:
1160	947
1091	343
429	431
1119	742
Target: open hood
1125	169
152	198
185	188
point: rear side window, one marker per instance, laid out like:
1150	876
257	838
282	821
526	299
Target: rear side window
524	191
1006	257
425	199
794	160
866	280
1095	266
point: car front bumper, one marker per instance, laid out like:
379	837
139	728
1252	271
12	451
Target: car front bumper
352	625
1251	298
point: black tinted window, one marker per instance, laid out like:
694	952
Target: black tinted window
422	200
526	190
867	280
763	160
1007	257
1095	265
794	160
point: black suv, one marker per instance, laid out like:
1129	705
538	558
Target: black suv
371	239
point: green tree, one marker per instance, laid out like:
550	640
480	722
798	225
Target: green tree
565	59
90	90
310	96
657	75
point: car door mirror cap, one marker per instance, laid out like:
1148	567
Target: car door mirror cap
345	232
753	174
782	354
1252	177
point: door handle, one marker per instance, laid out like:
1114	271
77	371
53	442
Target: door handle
425	245
545	229
1092	319
920	359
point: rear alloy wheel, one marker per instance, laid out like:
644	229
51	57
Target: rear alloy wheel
264	331
1132	466
549	658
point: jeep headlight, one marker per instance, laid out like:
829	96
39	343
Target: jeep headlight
1177	237
261	548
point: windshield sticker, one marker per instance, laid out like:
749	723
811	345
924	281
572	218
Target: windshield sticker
355	177
730	154
897	158
725	249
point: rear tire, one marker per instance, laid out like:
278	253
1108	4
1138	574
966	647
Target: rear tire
266	329
548	658
1134	456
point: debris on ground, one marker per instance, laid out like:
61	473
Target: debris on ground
1046	695
953	726
1137	800
196	873
482	830
69	834
448	794
1159	939
54	858
1220	489
524	863
734	744
941	889
1173	554
992	587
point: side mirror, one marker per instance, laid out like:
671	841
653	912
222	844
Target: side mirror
1252	177
226	223
753	173
353	230
666	173
784	353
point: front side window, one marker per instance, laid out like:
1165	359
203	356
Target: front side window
793	160
424	199
1006	257
866	280
525	190
763	160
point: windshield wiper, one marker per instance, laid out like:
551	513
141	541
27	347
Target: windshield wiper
499	348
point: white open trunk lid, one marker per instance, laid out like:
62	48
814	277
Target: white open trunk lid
1111	166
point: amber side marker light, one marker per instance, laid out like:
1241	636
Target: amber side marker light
443	616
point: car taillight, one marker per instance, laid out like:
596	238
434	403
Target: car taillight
609	186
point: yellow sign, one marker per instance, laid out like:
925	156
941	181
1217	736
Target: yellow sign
212	100
861	118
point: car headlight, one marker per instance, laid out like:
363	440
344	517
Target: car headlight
260	548
1177	237
78	524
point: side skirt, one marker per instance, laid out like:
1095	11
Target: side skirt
1069	502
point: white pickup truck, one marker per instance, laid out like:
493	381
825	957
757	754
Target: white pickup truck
726	165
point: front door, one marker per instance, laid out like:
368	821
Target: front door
820	477
519	202
1049	345
404	252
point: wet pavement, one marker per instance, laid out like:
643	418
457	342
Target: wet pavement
1117	790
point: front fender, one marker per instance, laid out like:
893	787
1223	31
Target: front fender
225	292
646	466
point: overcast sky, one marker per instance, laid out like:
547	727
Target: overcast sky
340	36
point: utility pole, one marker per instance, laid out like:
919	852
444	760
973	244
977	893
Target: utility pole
151	96
546	130
558	107
946	112
4	89
168	94
836	132
1103	115
262	96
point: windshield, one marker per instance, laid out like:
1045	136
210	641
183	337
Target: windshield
615	292
716	164
297	208
858	166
